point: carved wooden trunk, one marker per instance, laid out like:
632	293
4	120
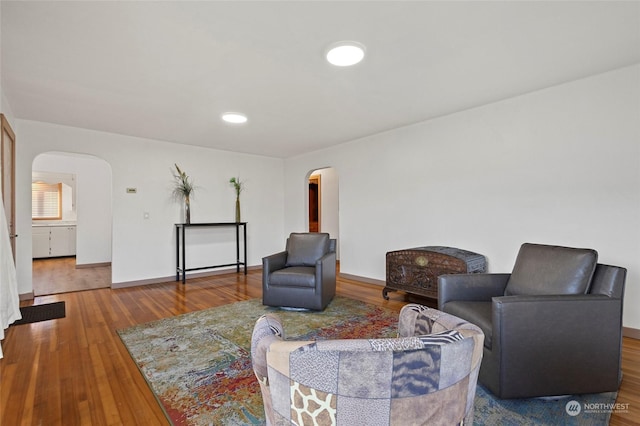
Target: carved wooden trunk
416	270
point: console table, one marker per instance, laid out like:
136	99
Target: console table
181	256
416	270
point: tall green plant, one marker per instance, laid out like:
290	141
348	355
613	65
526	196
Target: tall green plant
238	185
183	190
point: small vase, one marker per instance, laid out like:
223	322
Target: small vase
237	209
187	211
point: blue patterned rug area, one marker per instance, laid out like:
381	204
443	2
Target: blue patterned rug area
578	410
198	365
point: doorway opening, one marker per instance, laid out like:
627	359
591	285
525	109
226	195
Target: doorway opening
322	206
314	203
71	241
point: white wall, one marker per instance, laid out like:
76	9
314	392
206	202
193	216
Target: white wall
5	108
93	202
1	91
557	166
143	249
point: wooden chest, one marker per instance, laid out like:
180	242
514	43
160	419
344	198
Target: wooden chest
416	270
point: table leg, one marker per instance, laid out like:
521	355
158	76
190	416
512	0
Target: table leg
245	248
177	253
237	248
184	258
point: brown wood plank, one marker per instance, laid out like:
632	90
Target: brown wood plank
76	371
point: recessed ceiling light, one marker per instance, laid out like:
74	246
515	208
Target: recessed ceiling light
345	53
234	117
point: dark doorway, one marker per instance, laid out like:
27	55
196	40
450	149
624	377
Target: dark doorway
314	203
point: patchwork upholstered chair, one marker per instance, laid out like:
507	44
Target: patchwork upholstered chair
552	327
427	375
303	275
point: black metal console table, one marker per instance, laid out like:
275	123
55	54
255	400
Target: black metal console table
181	257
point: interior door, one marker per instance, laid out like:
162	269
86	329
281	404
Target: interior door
7	177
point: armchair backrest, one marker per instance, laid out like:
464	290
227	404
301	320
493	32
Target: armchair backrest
429	379
551	270
609	281
305	249
332	245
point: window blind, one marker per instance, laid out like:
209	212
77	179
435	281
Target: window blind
46	201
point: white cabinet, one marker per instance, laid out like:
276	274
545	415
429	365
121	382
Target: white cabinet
53	241
63	241
41	241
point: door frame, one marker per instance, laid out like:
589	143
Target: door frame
8	137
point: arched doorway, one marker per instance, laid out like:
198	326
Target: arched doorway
75	243
315	202
323	202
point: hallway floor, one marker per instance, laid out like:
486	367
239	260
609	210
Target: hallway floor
60	275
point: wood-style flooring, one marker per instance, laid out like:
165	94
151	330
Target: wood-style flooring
60	275
76	371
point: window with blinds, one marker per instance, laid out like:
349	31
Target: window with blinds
46	201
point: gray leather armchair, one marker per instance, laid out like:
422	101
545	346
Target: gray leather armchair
552	327
302	276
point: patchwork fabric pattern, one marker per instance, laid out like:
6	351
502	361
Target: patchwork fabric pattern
312	407
268	329
428	375
441	338
415	342
415	372
400	344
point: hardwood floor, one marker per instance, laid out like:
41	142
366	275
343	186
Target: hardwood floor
60	275
76	371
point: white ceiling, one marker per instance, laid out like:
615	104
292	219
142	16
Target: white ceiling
167	70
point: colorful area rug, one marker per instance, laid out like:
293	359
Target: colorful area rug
575	410
199	366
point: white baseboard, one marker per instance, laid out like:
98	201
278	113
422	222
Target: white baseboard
26	296
633	333
363	279
159	280
92	265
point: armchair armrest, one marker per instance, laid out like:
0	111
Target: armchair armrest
327	261
418	320
272	263
590	315
326	273
275	261
565	333
267	330
470	287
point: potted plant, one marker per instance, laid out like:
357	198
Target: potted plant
183	190
238	185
